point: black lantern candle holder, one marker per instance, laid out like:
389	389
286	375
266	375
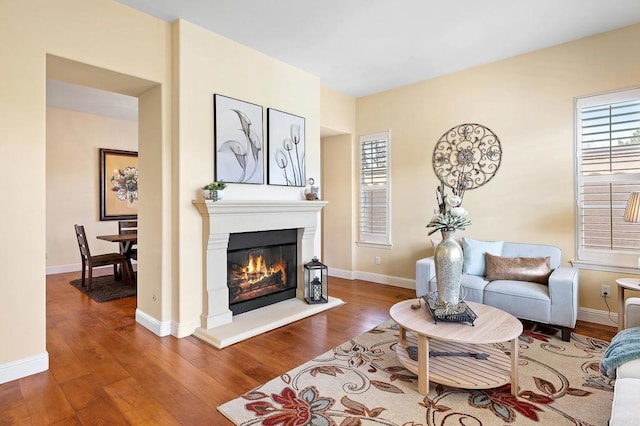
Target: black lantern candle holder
316	282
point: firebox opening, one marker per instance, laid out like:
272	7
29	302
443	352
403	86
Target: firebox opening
261	268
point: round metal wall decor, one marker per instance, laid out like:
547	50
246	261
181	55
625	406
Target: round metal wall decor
467	156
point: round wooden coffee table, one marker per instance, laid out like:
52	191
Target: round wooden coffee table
418	329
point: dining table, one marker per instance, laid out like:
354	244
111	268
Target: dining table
126	243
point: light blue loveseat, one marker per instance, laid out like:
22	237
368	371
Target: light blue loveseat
554	303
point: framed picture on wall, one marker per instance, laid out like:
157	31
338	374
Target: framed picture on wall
118	184
286	136
238	134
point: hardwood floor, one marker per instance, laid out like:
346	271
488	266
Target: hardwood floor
106	369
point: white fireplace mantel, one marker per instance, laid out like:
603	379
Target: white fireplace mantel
225	217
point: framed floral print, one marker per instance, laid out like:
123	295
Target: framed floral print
118	184
238	136
286	135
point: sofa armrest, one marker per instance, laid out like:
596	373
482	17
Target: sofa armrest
632	312
425	272
563	291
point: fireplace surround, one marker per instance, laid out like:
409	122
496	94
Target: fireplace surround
219	327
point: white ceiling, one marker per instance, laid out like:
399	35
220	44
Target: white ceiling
360	47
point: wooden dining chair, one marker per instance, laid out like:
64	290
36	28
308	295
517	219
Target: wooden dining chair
129	227
92	261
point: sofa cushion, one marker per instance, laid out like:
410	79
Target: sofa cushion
474	250
630	369
531	269
626	394
521	299
473	288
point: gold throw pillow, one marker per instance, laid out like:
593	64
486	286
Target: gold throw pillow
532	269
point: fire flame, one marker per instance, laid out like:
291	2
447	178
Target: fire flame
257	269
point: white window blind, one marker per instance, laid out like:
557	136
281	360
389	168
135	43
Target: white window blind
374	189
608	170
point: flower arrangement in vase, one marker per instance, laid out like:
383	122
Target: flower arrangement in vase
451	216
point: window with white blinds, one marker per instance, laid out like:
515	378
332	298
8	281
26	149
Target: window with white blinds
375	210
608	170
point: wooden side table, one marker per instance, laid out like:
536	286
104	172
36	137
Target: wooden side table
628	284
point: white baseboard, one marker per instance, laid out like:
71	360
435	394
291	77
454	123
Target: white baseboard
375	278
386	279
342	273
584	314
24	367
74	267
161	328
181	330
61	269
598	317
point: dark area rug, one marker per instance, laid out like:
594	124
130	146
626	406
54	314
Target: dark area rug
105	288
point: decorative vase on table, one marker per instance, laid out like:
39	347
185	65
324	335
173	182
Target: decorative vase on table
448	259
449	217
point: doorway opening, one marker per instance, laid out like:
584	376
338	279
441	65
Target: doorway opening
63	184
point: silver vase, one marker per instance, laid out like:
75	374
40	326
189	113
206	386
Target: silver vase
448	259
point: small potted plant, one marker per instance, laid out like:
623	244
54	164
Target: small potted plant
214	190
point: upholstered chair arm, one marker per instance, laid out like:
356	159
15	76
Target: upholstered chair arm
425	272
632	312
563	291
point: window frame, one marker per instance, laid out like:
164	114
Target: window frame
613	260
368	238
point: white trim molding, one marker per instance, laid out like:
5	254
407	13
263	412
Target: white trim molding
61	269
386	279
74	267
374	278
593	266
181	330
598	317
24	367
342	273
160	328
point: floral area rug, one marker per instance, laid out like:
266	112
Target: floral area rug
361	382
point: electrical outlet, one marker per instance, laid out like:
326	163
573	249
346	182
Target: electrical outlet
605	290
377	260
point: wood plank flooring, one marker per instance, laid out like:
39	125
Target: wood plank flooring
106	369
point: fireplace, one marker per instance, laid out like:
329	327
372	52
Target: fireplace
261	268
221	220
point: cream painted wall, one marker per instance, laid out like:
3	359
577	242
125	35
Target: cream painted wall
338	190
104	34
206	64
338	184
528	102
157	254
337	111
72	179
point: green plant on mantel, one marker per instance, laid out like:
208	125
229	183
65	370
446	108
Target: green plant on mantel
215	186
